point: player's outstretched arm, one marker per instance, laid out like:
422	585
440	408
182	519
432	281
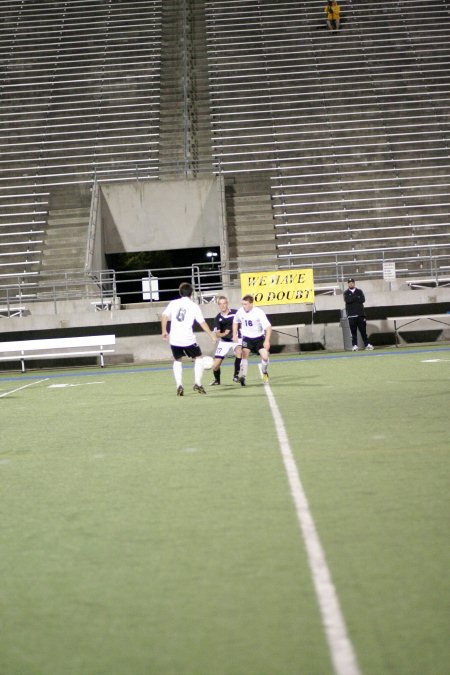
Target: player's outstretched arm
164	332
208	330
235	331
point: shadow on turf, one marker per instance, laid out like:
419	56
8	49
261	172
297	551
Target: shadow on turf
285	380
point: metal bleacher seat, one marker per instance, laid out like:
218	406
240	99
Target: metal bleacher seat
22	225
351	127
327	142
80	101
94	76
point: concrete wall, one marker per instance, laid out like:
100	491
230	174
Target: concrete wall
161	215
98	261
138	330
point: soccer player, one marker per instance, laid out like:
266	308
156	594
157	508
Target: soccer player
256	332
223	328
182	313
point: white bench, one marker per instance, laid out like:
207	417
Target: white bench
209	296
326	290
403	321
10	311
429	283
102	305
50	348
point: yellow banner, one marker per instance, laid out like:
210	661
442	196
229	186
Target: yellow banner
282	287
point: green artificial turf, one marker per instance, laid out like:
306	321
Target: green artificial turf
145	533
372	441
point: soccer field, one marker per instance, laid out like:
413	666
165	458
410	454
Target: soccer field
147	534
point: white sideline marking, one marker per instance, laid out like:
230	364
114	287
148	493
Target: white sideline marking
67	384
341	649
434	360
13	391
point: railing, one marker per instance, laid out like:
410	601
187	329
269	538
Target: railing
430	262
58	287
105	288
92	227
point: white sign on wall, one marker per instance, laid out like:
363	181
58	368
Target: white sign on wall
389	271
150	288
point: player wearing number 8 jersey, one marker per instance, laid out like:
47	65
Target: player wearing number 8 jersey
256	331
182	313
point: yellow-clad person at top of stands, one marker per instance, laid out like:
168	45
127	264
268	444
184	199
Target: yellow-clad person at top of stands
333	12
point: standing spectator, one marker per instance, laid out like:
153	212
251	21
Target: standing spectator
182	313
333	12
256	331
223	328
354	305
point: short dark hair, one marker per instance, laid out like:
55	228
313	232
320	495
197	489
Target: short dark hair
186	289
249	298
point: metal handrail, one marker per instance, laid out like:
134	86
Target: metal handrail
429	264
92	226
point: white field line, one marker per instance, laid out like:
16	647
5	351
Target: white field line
13	391
341	649
64	385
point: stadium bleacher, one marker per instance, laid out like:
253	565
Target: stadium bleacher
329	143
351	126
80	102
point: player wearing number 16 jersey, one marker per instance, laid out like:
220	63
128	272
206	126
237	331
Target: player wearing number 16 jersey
182	313
256	331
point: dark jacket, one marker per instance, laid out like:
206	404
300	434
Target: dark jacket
354	302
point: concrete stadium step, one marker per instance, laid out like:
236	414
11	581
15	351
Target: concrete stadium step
66	232
256	229
245	203
56	264
57	244
68	221
264	223
267	259
259	248
249	215
254	244
67	262
59	247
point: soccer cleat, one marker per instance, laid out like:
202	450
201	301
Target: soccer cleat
265	377
355	348
214	383
199	389
236	378
369	347
242	381
180	391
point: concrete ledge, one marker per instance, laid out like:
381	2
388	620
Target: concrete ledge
137	327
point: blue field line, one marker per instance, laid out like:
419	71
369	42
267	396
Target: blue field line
155	368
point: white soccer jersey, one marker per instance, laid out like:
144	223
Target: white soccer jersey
253	323
182	313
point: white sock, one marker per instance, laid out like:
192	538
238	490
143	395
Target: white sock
264	365
198	371
244	367
178	373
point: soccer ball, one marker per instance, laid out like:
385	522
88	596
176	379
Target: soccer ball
207	362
